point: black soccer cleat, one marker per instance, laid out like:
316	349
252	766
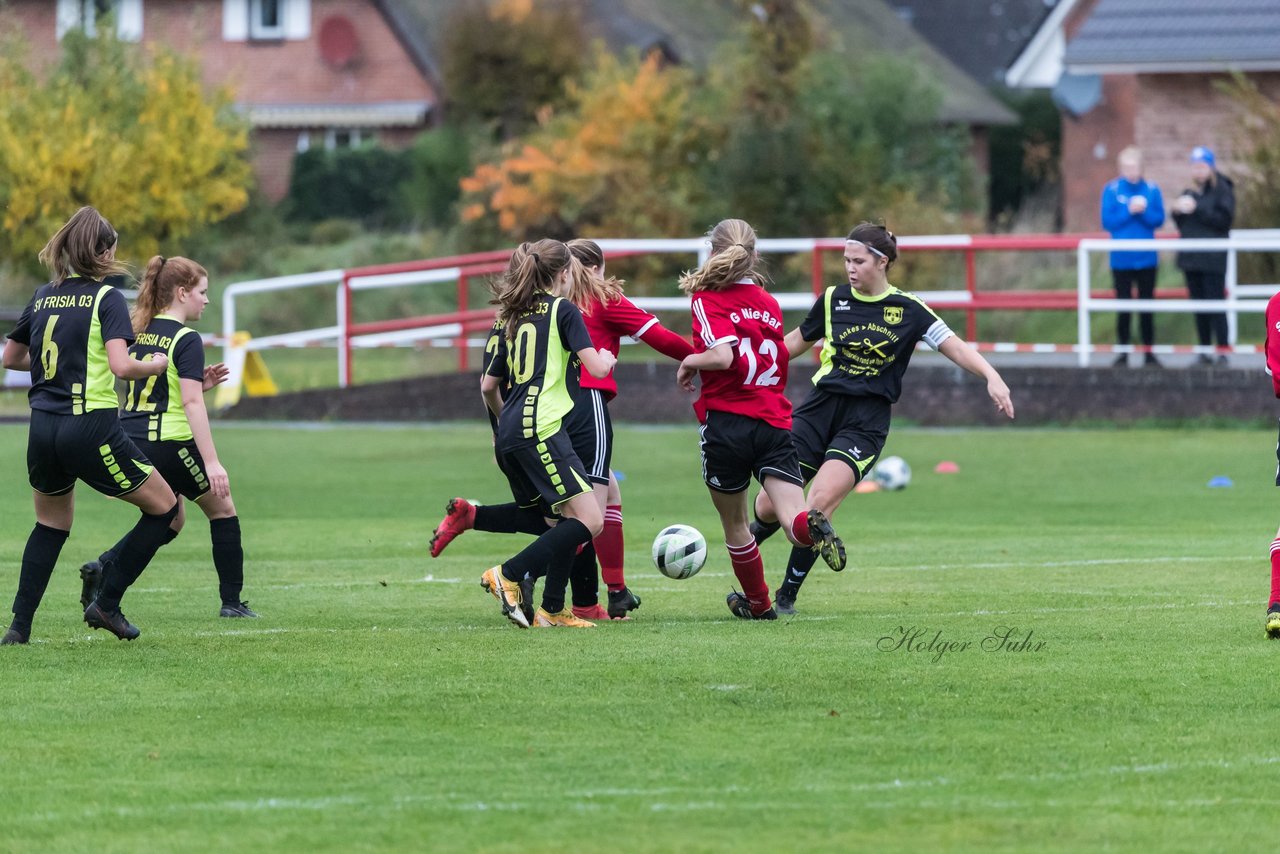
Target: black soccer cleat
740	607
786	605
237	609
113	621
13	637
825	541
526	597
1273	621
622	601
90	582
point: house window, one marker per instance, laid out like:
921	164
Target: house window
266	19
345	138
85	15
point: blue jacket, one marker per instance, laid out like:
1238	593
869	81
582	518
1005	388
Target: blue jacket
1123	225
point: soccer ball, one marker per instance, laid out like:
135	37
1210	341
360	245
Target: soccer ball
892	473
679	551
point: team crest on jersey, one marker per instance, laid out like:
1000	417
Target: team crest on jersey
893	314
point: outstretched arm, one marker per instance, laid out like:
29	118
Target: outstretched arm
795	343
597	362
955	349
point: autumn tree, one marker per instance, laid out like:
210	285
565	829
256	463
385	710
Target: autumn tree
616	160
506	60
136	136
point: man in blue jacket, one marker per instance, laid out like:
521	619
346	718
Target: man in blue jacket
1131	209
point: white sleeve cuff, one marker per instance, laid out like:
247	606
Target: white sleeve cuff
936	334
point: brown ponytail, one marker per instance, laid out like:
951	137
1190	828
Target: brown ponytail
594	288
532	271
78	247
160	284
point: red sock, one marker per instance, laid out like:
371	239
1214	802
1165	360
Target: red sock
749	568
1275	572
800	527
609	549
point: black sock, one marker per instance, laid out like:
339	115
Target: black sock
38	559
763	530
584	578
228	558
136	551
553	551
112	553
509	518
798	566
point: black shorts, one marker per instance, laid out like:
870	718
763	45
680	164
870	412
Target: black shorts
848	428
181	465
89	447
735	448
1278	462
591	433
548	473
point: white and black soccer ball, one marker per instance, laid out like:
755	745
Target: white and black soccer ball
679	551
892	473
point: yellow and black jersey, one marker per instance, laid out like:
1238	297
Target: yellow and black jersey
495	365
66	327
543	371
153	406
869	340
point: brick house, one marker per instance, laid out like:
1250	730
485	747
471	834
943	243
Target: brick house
1146	72
304	72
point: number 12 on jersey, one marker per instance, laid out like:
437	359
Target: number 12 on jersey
768	358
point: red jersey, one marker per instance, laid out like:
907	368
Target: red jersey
746	317
1272	346
608	323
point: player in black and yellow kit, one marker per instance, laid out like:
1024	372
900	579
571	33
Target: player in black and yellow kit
73	336
547	343
166	418
870	329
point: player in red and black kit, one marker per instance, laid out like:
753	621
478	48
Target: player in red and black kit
871	330
1272	348
74	336
609	316
746	418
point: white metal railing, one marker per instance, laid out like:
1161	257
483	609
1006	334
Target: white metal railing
1238	298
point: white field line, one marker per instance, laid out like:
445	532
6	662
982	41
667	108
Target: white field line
1057	564
702	799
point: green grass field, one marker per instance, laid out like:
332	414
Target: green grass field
383	703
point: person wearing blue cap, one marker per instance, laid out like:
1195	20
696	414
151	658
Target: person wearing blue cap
1206	209
1132	208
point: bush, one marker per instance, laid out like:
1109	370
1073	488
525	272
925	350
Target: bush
438	160
362	183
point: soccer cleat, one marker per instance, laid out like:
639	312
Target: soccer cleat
595	612
13	637
1273	621
825	541
237	609
113	621
526	596
459	516
785	604
740	607
90	582
507	593
563	619
622	601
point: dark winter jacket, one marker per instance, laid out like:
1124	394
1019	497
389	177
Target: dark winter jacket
1214	213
